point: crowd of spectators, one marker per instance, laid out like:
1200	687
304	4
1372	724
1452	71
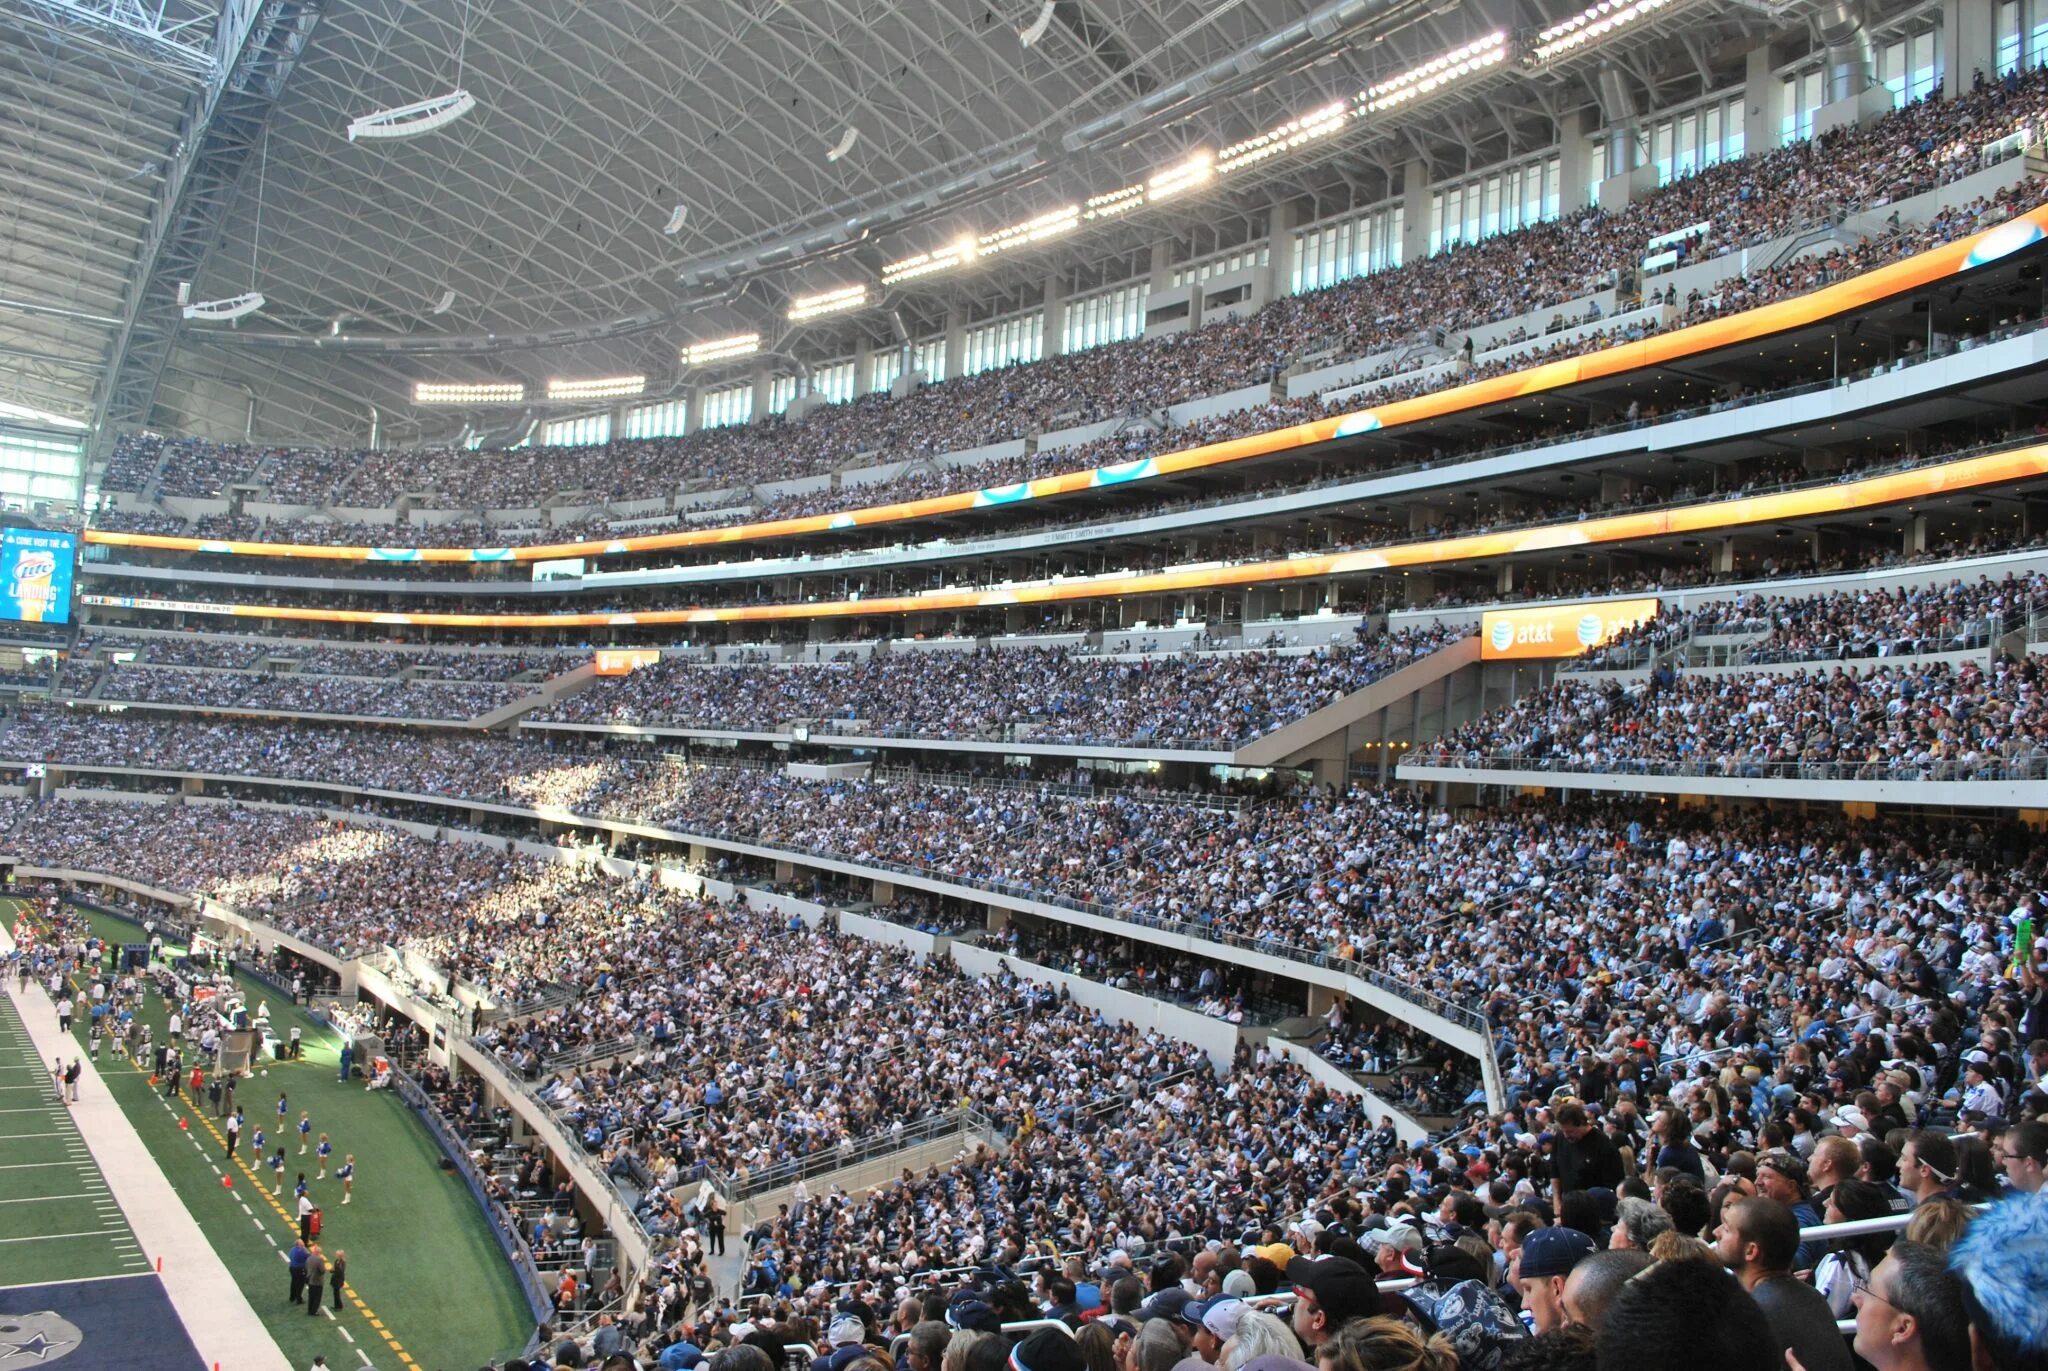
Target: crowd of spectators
306	693
1838	626
1774	1059
1045	695
1537	268
1924	721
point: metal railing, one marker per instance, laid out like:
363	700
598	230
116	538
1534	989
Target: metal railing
2028	767
888	1142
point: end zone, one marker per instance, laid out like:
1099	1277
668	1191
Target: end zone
110	1322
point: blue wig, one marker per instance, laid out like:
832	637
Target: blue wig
2002	1261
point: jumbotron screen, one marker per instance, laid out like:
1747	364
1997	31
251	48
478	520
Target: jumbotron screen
35	575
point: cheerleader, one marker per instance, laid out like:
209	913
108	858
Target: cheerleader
305	1130
346	1174
325	1150
277	1168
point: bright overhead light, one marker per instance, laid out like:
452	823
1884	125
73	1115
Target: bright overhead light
410	121
675	220
1036	29
445	303
1185	176
1112	203
1285	138
844	145
1036	230
838	301
721	349
1433	75
925	263
234	307
1589	25
598	388
467	392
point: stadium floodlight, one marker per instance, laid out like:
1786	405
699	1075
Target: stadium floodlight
675	220
1440	71
1589	25
722	349
445	303
1285	138
837	301
1034	230
219	311
1112	203
1184	176
597	388
954	254
409	121
1035	30
844	145
468	392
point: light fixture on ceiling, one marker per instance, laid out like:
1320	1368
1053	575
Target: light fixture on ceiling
837	301
844	145
1426	77
597	388
1036	29
675	220
1286	137
722	349
1184	176
220	311
468	392
410	121
445	303
1588	26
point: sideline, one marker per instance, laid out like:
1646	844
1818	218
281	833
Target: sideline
216	1314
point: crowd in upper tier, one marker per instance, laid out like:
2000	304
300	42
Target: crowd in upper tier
1838	626
1529	271
1044	695
1910	721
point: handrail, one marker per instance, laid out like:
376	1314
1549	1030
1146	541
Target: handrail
2025	767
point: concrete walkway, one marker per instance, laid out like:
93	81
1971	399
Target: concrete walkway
215	1312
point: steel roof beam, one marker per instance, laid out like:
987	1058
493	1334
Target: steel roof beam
255	45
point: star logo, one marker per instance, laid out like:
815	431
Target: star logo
36	1339
38	1347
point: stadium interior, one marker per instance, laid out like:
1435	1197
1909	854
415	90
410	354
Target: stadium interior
1024	685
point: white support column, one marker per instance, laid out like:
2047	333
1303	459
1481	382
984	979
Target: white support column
1576	154
1052	324
1280	236
1762	94
1414	210
956	342
1969	44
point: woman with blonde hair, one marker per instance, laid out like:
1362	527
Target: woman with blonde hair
958	1346
1384	1344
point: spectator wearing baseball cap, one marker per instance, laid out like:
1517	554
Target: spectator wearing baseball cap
1548	1256
1163	1304
1047	1349
971	1315
1328	1293
1213	1322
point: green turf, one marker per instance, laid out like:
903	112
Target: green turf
421	1258
57	1220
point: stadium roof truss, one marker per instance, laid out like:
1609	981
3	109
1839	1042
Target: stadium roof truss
543	209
